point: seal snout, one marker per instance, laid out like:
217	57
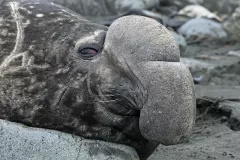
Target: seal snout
125	91
133	96
153	56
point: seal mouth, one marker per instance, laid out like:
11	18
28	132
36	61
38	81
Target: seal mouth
126	104
129	103
120	99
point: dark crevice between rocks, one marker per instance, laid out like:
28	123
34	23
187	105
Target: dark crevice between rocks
227	110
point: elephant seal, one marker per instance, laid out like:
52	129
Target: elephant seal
122	84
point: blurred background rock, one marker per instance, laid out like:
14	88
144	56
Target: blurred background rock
90	8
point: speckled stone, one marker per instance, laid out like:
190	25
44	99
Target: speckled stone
201	28
19	142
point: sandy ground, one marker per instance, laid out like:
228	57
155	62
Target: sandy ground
211	140
216	61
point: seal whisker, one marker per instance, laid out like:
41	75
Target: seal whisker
101	95
141	84
109	101
88	85
60	97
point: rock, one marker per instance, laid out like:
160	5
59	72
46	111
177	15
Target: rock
198	11
210	63
92	8
200	28
213	72
199	69
122	5
210	48
232	110
178	3
228	106
220	6
180	40
175	21
21	142
234	53
218	91
232	25
195	65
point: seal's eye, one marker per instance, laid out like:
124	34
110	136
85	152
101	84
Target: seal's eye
88	53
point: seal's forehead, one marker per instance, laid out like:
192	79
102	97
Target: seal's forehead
45	9
49	17
41	27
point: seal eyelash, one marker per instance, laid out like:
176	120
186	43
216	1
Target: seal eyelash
88	53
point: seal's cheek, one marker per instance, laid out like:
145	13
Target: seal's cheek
169	113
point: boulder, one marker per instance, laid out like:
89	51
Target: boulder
218	70
232	111
179	3
217	91
232	25
21	142
220	6
198	11
180	40
91	8
201	28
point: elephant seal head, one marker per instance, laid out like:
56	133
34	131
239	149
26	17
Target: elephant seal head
121	84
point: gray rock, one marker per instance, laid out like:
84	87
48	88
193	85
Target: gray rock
232	25
220	6
228	108
217	91
232	111
91	8
234	53
200	28
179	3
198	11
21	142
180	40
213	72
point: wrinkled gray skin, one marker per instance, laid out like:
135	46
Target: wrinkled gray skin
45	82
